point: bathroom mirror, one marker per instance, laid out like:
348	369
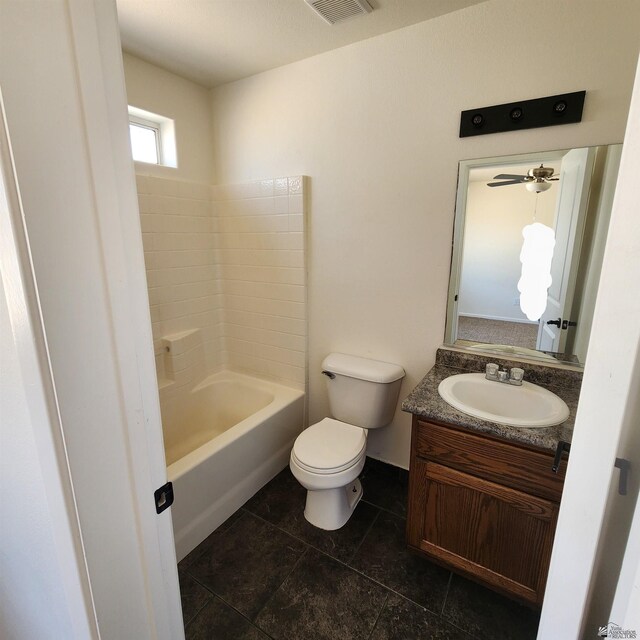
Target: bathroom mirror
528	244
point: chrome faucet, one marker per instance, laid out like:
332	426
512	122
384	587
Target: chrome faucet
514	376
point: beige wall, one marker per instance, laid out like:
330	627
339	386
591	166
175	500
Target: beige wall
491	265
375	126
187	103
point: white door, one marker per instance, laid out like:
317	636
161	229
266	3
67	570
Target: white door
617	544
626	603
575	174
52	599
594	555
66	115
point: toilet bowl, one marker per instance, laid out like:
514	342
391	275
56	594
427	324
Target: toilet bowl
327	457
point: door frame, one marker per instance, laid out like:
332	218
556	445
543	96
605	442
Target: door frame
84	246
606	409
570	261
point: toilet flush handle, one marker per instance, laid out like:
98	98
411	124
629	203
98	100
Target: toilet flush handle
329	374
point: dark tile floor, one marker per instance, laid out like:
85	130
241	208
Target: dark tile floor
267	573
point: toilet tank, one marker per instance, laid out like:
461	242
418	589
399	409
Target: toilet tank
362	392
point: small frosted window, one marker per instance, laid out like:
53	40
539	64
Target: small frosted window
153	137
144	143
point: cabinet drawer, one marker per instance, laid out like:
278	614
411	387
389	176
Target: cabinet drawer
494	460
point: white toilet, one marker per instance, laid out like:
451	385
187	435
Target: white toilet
327	458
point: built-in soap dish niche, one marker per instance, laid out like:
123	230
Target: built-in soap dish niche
182	358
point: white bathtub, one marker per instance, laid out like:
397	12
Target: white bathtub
223	441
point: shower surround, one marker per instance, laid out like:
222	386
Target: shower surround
227	292
228	260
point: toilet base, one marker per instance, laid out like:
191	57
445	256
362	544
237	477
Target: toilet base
330	509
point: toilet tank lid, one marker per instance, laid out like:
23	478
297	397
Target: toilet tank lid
362	368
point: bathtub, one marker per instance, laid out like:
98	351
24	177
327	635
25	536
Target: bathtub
224	440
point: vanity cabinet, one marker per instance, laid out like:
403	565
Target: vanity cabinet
484	507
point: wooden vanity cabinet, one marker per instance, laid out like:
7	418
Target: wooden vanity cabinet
483	507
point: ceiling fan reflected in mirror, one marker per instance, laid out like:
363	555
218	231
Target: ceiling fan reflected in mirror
537	179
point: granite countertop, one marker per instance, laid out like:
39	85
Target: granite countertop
425	401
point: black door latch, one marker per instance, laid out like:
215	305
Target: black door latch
163	497
557	322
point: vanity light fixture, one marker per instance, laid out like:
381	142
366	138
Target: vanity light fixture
527	114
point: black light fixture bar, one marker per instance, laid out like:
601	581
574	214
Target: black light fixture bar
565	108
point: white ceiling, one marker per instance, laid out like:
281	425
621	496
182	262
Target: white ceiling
217	41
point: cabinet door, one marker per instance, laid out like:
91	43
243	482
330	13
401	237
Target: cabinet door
498	535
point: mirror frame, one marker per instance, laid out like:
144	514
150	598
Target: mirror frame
464	168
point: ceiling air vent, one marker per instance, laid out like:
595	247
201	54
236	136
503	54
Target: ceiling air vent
333	11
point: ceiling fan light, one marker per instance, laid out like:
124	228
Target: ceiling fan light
537	187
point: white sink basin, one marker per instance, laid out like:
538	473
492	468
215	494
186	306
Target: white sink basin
525	406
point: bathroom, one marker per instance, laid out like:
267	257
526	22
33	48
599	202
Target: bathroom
353	151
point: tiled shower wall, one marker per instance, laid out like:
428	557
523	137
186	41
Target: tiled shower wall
229	261
262	271
178	234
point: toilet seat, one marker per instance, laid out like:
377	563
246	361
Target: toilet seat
329	446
